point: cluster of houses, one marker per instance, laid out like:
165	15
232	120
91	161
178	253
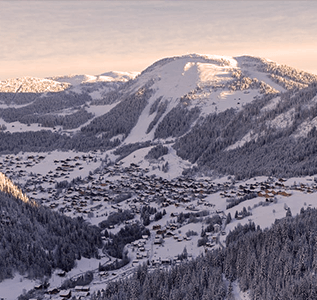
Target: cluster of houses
268	189
78	293
99	193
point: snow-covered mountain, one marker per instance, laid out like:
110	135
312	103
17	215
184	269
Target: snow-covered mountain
211	83
204	111
31	85
96	86
75	80
104	147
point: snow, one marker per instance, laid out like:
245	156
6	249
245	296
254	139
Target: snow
31	85
20	127
47	164
271	105
118	76
176	80
283	120
265	216
75	80
95	95
4	106
238	294
11	289
175	163
212	73
138	133
247	138
263	77
99	110
202	78
202	82
304	128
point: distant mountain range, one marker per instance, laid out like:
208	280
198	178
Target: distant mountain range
243	116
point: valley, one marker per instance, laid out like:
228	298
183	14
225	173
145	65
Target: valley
165	169
181	214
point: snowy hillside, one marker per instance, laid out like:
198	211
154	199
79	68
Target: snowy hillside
31	85
211	83
96	86
105	77
206	109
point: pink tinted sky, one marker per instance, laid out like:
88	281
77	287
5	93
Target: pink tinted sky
46	38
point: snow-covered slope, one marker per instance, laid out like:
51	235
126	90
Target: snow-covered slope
105	77
96	85
211	83
31	85
200	105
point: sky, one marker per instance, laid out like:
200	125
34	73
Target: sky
47	38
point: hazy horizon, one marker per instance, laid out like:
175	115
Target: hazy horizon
53	38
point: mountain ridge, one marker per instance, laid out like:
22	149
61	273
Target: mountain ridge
201	106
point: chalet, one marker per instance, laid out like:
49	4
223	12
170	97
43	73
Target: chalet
161	231
214	237
61	274
239	216
66	294
157	241
103	273
169	234
210	244
135	262
283	193
38	286
156	262
53	291
82	288
156	227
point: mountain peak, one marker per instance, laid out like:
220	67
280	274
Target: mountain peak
112	76
30	84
